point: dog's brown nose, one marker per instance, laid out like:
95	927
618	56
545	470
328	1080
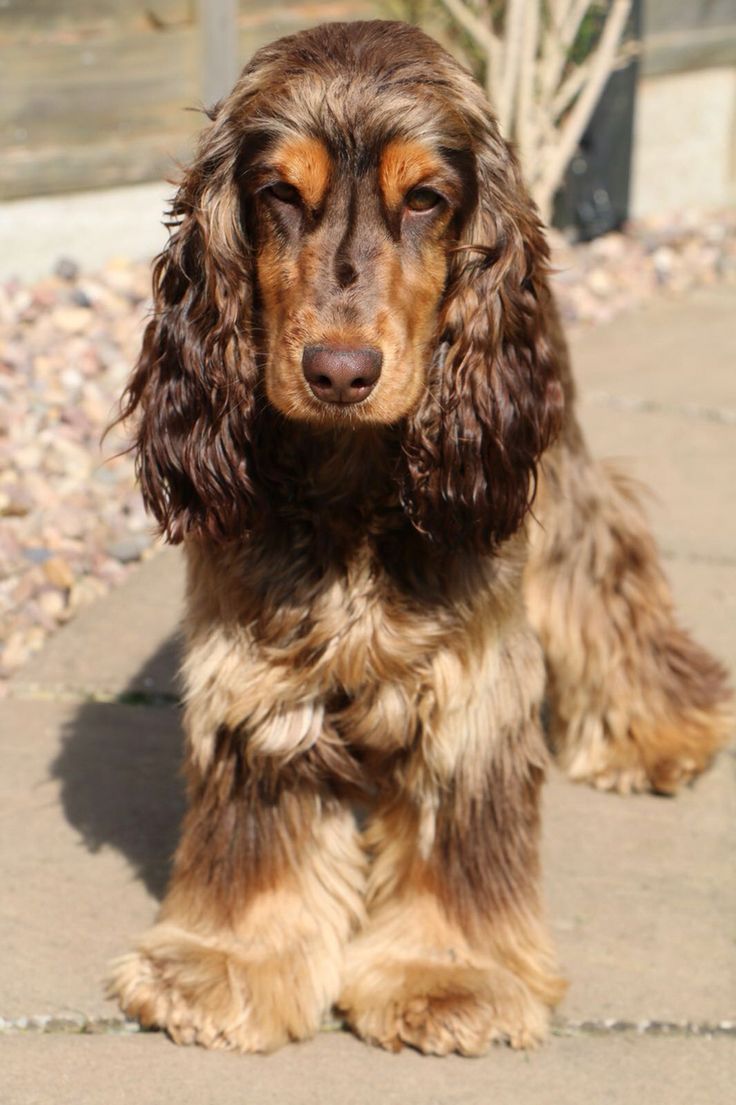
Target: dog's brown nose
341	375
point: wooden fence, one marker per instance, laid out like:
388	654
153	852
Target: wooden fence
96	93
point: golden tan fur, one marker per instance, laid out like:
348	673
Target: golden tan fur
399	315
372	610
636	704
304	163
465	670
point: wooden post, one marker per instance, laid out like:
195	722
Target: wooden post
218	29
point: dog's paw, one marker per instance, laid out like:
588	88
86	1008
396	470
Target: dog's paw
190	1011
625	769
439	1008
665	777
201	994
613	776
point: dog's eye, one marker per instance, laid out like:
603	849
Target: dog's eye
285	193
423	199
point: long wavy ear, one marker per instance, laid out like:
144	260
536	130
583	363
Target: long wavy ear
192	391
494	402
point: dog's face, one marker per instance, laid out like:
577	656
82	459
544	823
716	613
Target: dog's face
352	245
352	260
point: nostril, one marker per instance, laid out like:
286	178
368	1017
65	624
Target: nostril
339	374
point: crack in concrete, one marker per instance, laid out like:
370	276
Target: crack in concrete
33	692
79	1024
723	415
715	560
645	1027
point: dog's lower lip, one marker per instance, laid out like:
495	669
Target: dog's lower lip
340	404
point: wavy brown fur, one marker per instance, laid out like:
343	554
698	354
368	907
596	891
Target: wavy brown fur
468	451
357	625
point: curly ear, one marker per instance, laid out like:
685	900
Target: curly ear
192	391
494	402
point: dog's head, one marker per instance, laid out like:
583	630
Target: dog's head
353	245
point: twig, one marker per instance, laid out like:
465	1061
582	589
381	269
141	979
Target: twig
543	100
475	27
577	119
525	118
488	42
573	19
513	32
569	89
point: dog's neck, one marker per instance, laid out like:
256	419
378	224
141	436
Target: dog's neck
347	470
334	492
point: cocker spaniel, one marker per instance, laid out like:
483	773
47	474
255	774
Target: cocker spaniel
352	388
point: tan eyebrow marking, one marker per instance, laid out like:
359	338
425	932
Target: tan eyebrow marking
404	164
305	163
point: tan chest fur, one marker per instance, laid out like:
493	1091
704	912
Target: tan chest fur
353	655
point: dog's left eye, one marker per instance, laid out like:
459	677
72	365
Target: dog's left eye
284	193
423	199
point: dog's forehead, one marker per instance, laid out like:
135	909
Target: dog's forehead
355	122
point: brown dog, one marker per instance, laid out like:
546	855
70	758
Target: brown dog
345	402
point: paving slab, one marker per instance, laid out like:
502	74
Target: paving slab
705	594
90	799
335	1069
91	228
641	891
687	467
678	352
658	394
126	644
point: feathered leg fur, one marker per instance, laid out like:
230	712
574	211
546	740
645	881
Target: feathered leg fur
635	703
267	885
455	954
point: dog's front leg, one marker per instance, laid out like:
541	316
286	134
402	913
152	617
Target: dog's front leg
247	952
455	954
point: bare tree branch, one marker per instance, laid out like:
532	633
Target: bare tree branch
569	89
554	54
526	114
543	98
488	42
573	19
513	32
475	27
571	131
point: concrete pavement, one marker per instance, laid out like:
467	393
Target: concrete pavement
90	228
641	891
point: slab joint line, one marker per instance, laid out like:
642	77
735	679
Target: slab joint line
79	1024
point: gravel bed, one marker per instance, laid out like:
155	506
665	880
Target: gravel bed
71	521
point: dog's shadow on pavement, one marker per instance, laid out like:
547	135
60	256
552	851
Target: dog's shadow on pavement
120	771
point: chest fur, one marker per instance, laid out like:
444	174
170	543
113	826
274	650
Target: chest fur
359	651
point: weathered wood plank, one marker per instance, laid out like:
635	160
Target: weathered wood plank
684	51
272	20
218	54
666	16
94	92
118	85
45	18
264	24
70	168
